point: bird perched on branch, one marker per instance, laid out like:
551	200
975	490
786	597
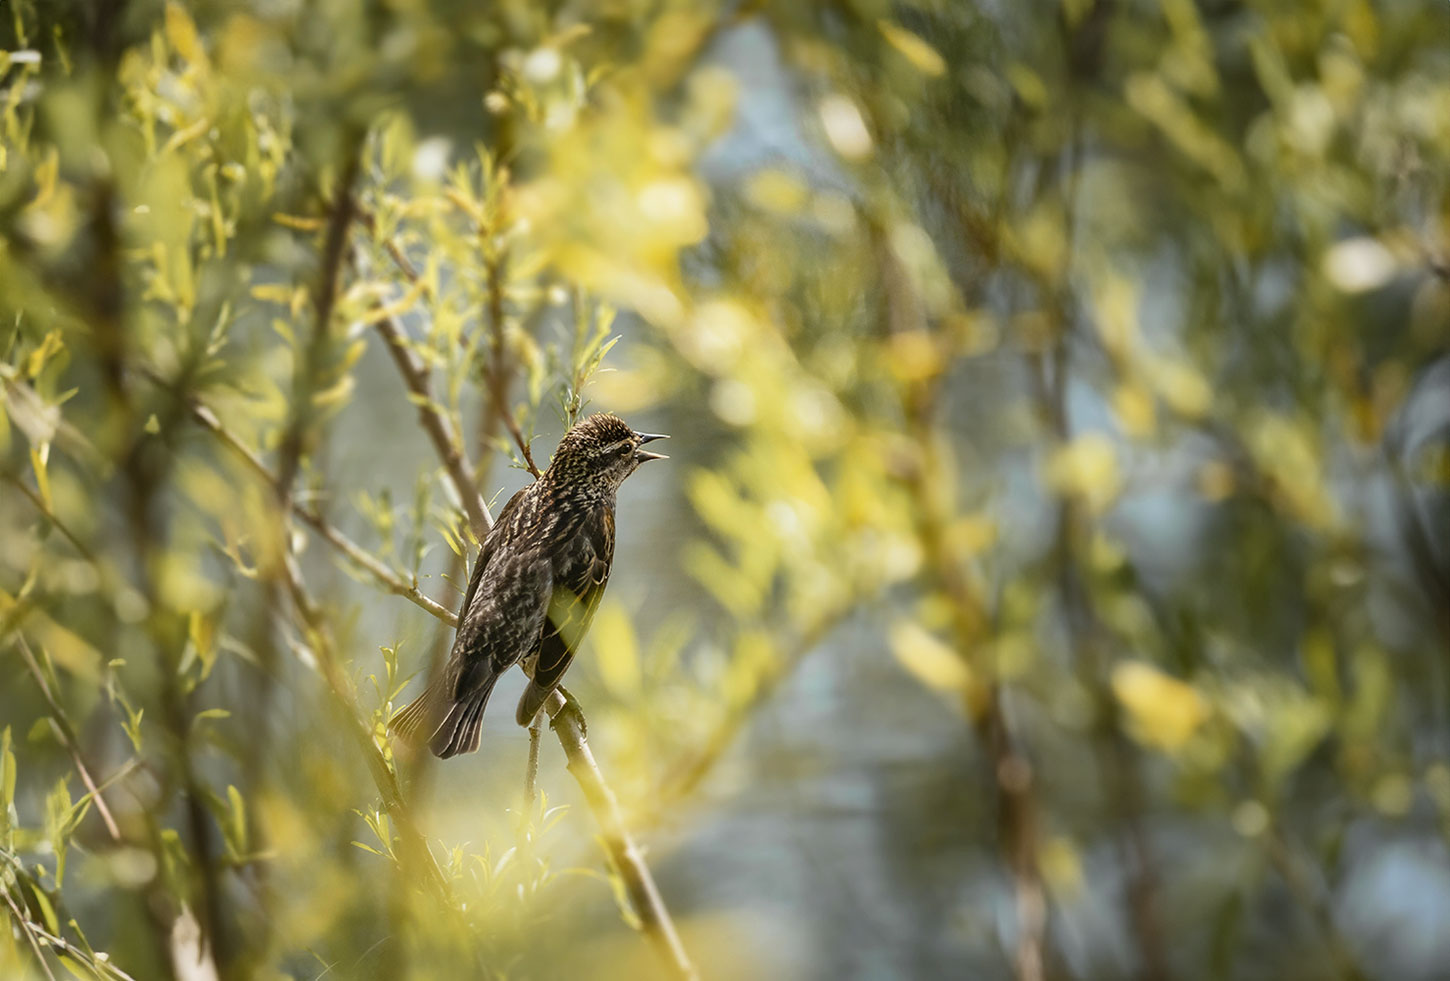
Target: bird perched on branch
534	588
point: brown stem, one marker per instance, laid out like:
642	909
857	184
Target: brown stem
498	372
437	426
654	917
415	848
304	383
50	515
531	774
355	553
1319	908
1012	774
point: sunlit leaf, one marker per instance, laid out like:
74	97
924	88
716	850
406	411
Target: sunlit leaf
1162	711
928	659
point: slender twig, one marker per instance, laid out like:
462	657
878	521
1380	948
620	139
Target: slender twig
414	846
436	425
51	516
24	924
67	735
355	553
59	944
498	374
415	377
1315	902
496	264
415	849
531	774
568	724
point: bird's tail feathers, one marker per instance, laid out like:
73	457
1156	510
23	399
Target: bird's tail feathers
420	716
448	727
458	732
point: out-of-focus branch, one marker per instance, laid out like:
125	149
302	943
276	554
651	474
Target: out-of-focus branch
1315	902
304	382
356	554
687	774
67	735
415	848
1085	629
51	516
1418	543
25	926
39	936
1012	774
644	895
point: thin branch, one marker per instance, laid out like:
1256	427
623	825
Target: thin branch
67	735
24	924
568	724
437	426
415	848
531	774
304	381
51	516
62	946
1313	900
355	553
1011	773
498	367
418	385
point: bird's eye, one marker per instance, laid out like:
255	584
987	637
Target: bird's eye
626	450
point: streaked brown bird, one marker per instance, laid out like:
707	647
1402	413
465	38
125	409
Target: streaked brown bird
534	588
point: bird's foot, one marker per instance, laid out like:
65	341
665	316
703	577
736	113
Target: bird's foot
571	705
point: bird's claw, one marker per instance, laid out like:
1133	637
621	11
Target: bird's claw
571	705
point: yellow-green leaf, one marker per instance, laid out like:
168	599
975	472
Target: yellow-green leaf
618	651
1162	711
929	659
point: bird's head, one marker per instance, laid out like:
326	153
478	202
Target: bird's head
601	451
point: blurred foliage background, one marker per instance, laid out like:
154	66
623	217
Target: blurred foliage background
1052	578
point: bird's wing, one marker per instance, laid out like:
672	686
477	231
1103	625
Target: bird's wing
501	625
571	609
488	547
425	715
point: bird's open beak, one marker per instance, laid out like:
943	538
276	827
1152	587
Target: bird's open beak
642	455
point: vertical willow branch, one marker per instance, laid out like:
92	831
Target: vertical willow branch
1084	628
496	265
304	380
1013	778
